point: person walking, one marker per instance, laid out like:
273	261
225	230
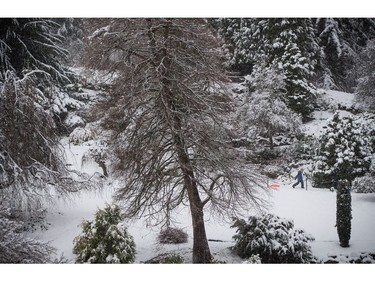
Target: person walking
299	178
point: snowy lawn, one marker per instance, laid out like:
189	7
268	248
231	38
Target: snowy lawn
313	210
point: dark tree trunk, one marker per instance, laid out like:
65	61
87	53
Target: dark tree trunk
343	213
201	250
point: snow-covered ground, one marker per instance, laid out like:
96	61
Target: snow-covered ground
312	210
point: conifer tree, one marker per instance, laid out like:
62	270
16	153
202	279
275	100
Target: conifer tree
286	43
344	153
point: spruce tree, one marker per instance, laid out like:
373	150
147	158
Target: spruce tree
343	212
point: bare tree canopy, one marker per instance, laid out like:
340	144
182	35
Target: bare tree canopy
168	111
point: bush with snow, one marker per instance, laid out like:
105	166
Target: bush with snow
272	238
168	258
81	135
361	258
15	247
365	184
254	259
172	235
105	240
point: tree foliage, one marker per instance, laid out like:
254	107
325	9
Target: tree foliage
285	43
264	111
15	247
344	153
365	93
105	240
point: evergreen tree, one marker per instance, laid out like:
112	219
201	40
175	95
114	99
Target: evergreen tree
341	41
345	153
30	44
343	212
288	44
31	72
365	89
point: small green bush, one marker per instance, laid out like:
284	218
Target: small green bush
166	259
104	240
273	239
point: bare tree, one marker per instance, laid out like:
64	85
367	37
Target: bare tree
168	113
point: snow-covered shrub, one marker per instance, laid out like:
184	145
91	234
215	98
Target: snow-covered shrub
365	184
104	240
361	258
254	259
344	152
73	121
273	171
172	235
274	239
81	135
167	259
15	247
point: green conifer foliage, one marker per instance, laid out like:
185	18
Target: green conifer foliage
345	153
104	240
343	212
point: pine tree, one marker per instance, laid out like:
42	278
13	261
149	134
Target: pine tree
343	212
345	153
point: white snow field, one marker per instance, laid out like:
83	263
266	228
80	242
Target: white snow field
312	210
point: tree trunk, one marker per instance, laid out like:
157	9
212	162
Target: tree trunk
201	250
343	212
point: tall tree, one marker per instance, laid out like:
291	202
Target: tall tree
31	70
167	110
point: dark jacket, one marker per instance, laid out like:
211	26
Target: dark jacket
299	176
